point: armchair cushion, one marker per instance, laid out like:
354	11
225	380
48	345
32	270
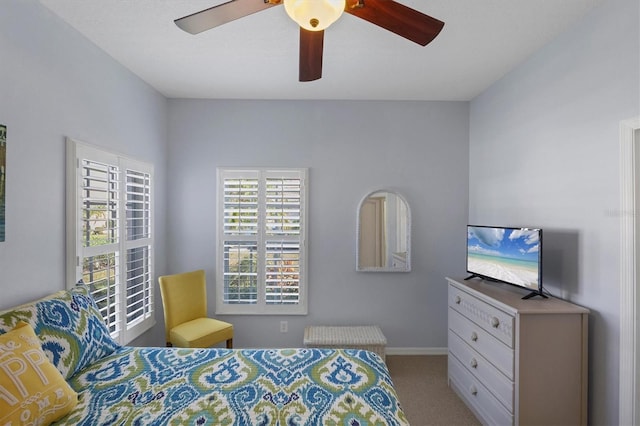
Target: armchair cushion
200	333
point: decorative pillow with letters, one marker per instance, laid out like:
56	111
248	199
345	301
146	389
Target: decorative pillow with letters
32	390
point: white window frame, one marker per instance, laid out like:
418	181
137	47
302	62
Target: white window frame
260	306
138	278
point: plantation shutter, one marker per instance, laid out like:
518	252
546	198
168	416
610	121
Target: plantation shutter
100	250
139	246
240	242
110	243
261	254
282	246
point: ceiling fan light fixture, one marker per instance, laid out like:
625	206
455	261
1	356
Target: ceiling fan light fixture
314	15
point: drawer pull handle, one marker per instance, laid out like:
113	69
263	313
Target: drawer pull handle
458	300
474	363
495	322
473	390
474	336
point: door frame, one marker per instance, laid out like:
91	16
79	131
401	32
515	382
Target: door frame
629	394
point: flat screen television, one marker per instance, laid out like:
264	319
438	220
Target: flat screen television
504	254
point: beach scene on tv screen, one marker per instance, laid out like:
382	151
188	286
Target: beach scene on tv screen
509	255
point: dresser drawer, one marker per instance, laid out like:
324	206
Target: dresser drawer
485	344
496	382
489	409
496	322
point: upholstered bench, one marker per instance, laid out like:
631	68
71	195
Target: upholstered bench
367	337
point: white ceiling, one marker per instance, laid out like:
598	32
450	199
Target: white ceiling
256	57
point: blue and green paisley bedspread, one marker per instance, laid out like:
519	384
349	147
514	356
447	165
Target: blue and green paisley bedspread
173	386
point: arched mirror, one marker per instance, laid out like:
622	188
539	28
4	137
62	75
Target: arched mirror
384	233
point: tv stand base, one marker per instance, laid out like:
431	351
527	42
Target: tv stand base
493	280
534	294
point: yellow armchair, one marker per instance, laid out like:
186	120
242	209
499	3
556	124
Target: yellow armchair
184	299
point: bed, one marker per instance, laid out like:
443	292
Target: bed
110	384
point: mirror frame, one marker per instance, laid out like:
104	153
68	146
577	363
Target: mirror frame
407	264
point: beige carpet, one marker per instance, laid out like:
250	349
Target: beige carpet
425	396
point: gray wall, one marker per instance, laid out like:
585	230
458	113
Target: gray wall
53	84
351	148
544	151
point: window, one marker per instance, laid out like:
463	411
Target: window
109	236
261	256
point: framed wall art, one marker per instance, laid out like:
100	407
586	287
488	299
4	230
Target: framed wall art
3	174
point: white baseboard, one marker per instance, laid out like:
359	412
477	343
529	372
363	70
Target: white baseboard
416	351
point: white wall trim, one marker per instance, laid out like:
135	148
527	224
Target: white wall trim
416	351
629	364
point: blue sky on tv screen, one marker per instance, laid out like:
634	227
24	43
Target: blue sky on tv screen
520	244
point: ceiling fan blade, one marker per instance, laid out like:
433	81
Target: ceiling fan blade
397	18
311	46
221	14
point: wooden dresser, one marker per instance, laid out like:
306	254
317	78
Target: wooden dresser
514	361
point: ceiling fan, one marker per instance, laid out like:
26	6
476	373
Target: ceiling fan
314	16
